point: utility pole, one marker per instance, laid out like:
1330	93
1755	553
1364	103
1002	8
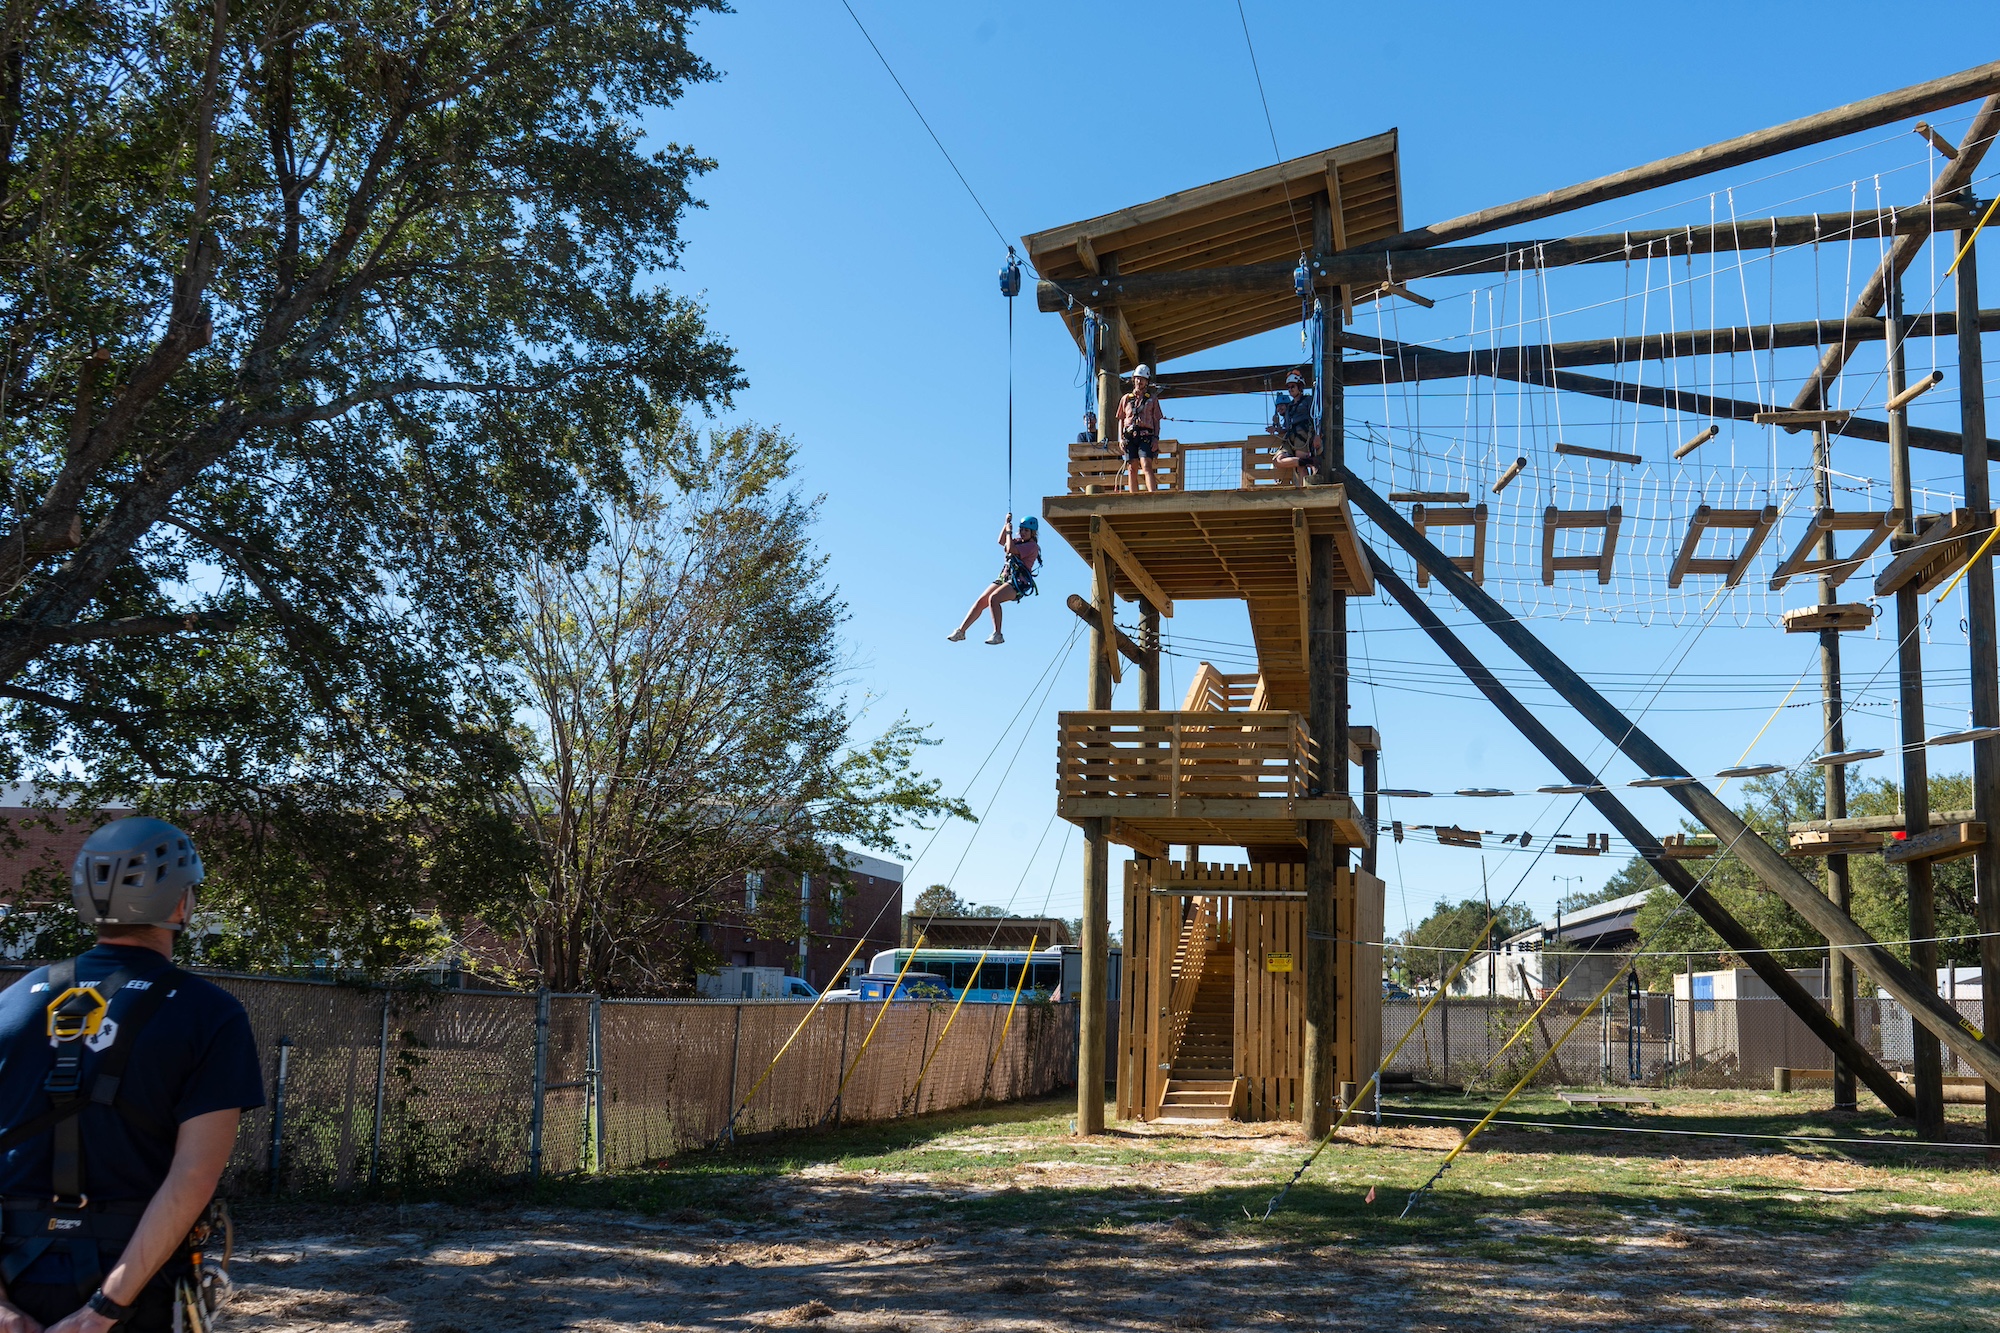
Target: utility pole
1927	1065
1839	884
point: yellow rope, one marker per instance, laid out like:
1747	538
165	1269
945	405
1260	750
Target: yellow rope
1521	1030
1026	967
1982	546
818	1000
916	1087
887	1000
1975	236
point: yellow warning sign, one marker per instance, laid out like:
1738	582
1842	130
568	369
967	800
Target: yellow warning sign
1277	962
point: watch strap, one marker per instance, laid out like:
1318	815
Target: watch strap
107	1307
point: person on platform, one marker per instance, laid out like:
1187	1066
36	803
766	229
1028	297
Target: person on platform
1139	429
1017	580
1088	435
122	1079
1297	452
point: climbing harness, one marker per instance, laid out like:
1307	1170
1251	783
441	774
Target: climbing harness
79	1019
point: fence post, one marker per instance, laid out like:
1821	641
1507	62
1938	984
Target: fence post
381	1095
735	1049
846	1022
596	1076
278	1111
541	1082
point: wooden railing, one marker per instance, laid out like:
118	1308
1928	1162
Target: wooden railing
1100	466
1183	755
1190	962
1212	691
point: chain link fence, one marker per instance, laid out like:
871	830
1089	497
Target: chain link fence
1654	1042
405	1089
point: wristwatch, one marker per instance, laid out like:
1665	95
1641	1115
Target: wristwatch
107	1307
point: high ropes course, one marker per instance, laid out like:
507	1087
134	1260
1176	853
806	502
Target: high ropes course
1692	414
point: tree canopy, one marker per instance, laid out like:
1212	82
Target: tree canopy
321	323
1429	948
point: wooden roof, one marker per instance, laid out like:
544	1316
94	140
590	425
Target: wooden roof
1260	217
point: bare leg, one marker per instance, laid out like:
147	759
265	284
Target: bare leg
984	599
1005	595
1147	465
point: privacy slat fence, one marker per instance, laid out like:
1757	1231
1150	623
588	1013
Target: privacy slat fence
1220	465
422	1088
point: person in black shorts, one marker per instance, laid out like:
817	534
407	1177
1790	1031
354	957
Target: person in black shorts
1139	429
122	1080
1297	452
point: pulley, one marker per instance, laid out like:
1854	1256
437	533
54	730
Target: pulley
1010	276
1302	280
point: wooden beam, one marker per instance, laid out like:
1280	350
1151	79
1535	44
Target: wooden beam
1646	395
1102	603
1302	553
1691	891
1936	140
1940	844
1956	176
1118	831
1603	455
1763	860
1088	615
1853	118
1840	617
1365	266
1107	541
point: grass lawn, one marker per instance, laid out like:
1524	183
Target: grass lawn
1000	1218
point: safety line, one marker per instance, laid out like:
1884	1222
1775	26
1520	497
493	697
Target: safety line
925	1068
1000	1043
880	1014
729	1129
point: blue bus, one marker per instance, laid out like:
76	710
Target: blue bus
959	972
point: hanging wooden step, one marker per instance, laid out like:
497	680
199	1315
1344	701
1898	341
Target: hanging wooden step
1843	617
1943	542
1939	844
1839	568
1687	847
1834	842
1758	523
1555	520
1424	517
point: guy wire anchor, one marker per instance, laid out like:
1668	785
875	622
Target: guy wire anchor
1422	1190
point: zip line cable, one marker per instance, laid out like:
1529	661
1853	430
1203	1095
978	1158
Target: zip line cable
925	123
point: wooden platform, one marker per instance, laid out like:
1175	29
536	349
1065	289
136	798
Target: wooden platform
1943	543
1214	545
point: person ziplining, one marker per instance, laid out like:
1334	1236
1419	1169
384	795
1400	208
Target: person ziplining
1017	576
1297	453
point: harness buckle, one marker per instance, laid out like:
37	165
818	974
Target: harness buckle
81	1201
65	1076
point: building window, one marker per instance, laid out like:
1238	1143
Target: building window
753	884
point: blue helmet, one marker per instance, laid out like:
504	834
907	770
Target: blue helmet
134	872
1031	524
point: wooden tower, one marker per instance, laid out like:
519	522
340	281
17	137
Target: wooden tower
1249	991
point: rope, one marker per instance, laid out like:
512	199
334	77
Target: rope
1001	1044
1010	400
915	1088
729	1130
880	1014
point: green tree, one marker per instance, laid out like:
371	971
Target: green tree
321	324
685	718
1432	946
938	900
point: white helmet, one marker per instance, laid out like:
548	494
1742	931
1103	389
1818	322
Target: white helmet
1143	373
1295	378
134	872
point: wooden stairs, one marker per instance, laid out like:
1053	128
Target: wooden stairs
1202	1084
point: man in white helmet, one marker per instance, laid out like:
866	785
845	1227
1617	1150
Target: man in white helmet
122	1079
1292	422
1139	428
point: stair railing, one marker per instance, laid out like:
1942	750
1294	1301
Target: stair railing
1191	961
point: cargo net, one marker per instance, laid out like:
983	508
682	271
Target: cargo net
1656	505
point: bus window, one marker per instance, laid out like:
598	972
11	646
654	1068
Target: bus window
1047	976
977	976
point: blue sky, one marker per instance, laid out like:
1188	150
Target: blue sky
844	260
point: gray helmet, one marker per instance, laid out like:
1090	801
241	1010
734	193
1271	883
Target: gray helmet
134	872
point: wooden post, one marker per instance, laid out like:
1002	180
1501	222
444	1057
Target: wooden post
1833	738
1149	652
1371	771
1985	659
1096	943
1927	1065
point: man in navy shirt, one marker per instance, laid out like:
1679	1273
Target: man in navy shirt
122	1084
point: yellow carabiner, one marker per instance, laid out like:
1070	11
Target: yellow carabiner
77	1012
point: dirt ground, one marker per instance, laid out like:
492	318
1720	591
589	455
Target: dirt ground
1005	1222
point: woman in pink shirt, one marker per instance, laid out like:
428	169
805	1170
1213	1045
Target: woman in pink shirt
1017	576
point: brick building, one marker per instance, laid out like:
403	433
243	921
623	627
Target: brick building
870	909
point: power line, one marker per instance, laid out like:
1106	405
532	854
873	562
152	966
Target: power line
926	124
